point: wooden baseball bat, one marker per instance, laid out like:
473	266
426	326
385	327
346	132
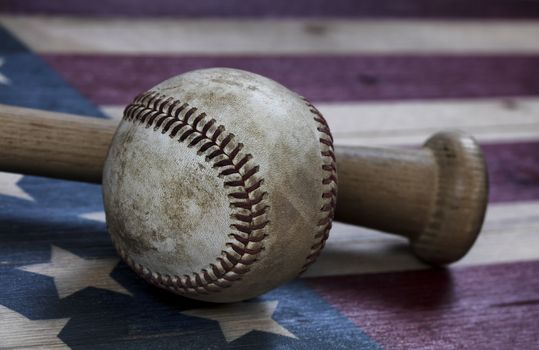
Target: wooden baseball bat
436	195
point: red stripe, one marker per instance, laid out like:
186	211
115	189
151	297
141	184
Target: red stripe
278	8
487	307
513	171
117	79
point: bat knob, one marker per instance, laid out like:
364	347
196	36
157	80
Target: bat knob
460	201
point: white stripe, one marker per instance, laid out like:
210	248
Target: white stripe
286	36
411	123
401	123
510	234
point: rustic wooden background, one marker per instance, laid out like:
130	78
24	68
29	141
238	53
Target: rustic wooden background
384	72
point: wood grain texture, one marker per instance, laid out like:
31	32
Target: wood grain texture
411	122
278	8
486	307
28	334
151	36
115	79
53	144
387	189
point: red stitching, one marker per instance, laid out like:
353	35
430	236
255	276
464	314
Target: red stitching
212	142
329	182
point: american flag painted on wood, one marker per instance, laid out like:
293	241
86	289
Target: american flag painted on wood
383	72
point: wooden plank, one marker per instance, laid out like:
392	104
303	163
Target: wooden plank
481	307
173	36
278	8
110	80
400	123
20	332
510	233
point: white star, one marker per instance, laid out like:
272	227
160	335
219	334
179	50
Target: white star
95	216
9	187
72	273
238	319
3	79
20	332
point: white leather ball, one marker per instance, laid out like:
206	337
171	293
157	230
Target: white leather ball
220	185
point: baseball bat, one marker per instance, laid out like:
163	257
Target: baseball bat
436	196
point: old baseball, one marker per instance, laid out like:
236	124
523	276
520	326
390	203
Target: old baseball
220	185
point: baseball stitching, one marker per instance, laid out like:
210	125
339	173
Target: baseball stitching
239	174
329	183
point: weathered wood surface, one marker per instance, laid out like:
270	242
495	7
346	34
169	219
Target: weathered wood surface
284	36
372	293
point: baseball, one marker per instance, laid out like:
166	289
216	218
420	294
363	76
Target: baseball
220	185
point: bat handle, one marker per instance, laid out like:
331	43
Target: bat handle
436	196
